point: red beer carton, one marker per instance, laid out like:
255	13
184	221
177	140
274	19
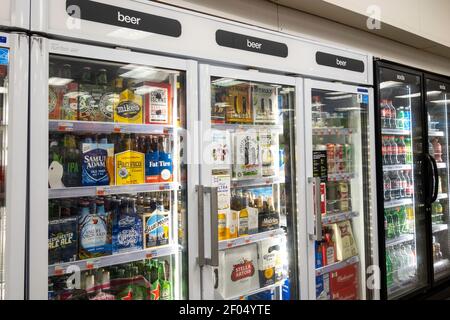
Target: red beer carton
157	102
344	283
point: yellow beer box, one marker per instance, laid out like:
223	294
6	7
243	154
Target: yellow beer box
239	106
129	167
129	108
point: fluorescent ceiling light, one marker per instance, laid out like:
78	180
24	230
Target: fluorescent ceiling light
433	93
409	96
335	93
441	101
59	82
347	96
227	82
350	109
3	90
389	84
145	73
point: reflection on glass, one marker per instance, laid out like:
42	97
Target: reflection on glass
251	152
117	182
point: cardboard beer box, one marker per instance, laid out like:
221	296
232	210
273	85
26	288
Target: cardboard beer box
159	163
344	283
238	271
219	104
323	287
126	232
97	164
269	252
239	109
129	167
220	149
344	240
129	108
157	102
62	240
246	161
222	181
265	104
55	100
269	152
156	228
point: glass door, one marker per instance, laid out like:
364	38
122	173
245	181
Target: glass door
340	182
4	63
117	180
248	158
403	190
438	102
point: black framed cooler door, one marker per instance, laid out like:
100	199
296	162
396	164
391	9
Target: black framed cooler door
402	190
437	102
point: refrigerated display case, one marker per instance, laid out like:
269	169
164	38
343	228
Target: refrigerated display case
408	186
13	163
338	128
109	179
437	100
15	14
248	174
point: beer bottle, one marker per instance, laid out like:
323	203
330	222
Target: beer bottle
71	164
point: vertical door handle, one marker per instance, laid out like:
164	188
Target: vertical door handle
434	195
317	235
214	229
214	224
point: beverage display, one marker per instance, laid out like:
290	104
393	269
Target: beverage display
250	124
337	135
401	208
438	94
117	205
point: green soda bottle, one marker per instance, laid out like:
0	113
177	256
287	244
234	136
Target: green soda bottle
166	286
389	271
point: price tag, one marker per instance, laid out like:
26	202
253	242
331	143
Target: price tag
65	126
152	254
103	191
92	264
230	244
117	129
248	240
58	271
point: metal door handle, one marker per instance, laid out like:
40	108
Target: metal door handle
317	236
214	229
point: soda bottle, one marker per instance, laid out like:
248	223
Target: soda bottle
396	265
396	186
385	114
407	119
400	118
402	220
390	234
409	184
388	151
393	115
403	184
387	186
437	147
401	150
396	222
394	151
389	269
412	260
408	151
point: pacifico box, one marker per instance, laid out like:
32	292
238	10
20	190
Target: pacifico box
265	104
157	102
130	168
239	106
238	271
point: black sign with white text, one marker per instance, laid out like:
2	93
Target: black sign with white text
339	62
102	13
252	44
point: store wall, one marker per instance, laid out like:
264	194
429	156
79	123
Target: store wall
276	17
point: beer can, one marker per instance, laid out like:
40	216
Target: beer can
339	152
323	198
341	166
